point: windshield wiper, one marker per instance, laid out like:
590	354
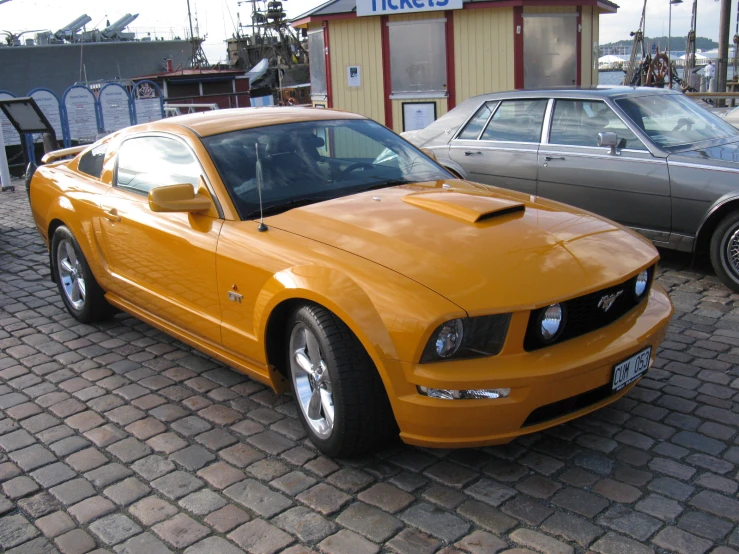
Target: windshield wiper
384	184
280	207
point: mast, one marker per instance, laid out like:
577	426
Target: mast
723	45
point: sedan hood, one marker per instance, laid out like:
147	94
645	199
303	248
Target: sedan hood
482	250
726	155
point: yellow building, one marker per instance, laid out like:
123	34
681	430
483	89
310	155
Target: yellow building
405	63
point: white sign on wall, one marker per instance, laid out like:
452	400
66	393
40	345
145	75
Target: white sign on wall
79	103
384	7
10	136
114	108
48	102
354	75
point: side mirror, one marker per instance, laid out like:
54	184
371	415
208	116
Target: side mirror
609	140
178	198
429	153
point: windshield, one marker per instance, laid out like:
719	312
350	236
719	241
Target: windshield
674	121
312	161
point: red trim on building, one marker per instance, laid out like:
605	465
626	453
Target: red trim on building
327	51
578	81
451	84
321	18
386	75
518	47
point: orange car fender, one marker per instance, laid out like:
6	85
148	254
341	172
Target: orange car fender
62	209
336	292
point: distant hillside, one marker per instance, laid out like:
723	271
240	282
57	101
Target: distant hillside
676	42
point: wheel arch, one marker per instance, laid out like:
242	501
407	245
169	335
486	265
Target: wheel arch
333	291
711	220
54	224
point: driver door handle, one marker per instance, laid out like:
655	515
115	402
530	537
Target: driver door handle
111	214
470	153
550	158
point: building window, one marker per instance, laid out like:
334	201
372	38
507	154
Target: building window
418	58
317	64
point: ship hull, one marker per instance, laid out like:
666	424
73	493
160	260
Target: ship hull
58	66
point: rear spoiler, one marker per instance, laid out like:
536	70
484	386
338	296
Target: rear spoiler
63	153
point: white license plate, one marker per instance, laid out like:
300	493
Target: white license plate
630	370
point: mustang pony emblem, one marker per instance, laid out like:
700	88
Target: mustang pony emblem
607	301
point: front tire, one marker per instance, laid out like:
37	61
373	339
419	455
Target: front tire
341	400
80	292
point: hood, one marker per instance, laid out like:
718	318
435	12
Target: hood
725	155
482	250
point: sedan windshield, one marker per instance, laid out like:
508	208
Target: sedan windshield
673	121
313	161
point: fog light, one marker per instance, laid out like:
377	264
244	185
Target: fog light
446	394
641	283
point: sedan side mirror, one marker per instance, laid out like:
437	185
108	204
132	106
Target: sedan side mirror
178	198
429	153
609	140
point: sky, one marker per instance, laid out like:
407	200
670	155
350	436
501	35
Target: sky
217	18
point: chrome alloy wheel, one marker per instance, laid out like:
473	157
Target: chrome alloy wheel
732	251
70	273
311	381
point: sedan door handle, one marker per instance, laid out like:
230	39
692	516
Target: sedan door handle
550	158
469	153
111	214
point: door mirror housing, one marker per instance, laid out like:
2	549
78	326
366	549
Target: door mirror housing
178	198
430	154
609	140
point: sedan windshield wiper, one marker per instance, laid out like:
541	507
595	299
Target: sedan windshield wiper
280	207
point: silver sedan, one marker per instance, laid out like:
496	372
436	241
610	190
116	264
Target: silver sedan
650	159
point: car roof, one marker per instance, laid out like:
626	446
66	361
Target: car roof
576	92
215	122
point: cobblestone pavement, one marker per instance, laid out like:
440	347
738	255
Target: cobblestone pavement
117	438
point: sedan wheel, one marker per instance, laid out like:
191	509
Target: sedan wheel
341	398
82	295
311	381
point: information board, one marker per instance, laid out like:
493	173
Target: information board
51	108
115	109
10	135
147	102
82	121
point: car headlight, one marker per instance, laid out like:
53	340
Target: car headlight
470	337
551	323
641	283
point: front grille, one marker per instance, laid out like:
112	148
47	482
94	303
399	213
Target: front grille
567	406
583	315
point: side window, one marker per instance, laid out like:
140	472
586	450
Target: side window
148	162
474	126
91	163
517	121
578	122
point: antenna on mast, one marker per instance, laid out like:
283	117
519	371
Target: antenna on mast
262	227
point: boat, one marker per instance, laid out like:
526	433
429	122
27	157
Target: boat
58	60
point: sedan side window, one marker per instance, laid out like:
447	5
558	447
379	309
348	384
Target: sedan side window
475	125
517	121
148	162
578	122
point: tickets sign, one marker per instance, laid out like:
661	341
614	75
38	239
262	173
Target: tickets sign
384	7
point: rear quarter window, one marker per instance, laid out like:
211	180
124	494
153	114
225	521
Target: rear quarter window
91	162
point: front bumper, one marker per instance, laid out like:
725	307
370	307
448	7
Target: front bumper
536	379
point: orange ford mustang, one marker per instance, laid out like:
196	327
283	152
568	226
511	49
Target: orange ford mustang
388	295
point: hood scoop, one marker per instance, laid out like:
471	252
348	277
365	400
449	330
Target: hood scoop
468	207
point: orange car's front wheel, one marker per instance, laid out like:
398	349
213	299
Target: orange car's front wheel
341	399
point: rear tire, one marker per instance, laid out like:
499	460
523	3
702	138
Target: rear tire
725	251
80	292
341	399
